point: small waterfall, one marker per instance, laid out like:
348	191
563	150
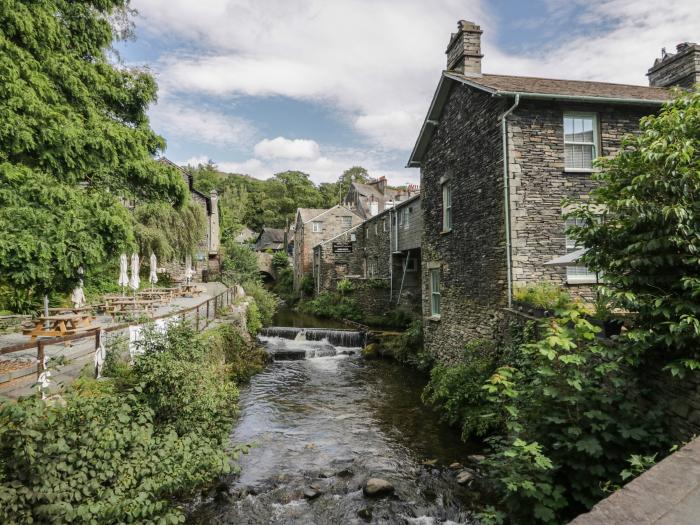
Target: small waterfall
335	337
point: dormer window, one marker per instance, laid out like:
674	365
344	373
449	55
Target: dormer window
580	141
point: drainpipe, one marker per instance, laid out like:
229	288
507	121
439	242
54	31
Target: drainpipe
506	197
391	258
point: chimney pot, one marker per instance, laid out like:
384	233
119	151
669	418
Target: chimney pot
464	49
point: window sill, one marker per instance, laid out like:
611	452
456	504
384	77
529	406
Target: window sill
445	232
586	280
434	318
580	170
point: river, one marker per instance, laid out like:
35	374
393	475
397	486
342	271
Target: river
331	420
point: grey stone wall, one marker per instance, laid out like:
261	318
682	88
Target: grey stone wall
466	148
306	238
681	69
539	182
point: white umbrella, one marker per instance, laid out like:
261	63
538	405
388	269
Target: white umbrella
135	282
188	268
123	269
78	295
153	276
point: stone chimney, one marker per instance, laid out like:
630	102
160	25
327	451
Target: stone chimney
464	50
214	228
681	68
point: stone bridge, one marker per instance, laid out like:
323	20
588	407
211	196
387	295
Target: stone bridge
267	272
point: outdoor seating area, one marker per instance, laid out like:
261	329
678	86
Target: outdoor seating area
58	325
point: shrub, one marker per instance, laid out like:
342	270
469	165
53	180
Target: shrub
344	286
458	391
244	358
308	286
544	295
120	452
280	260
266	301
253	318
575	413
334	306
408	348
239	264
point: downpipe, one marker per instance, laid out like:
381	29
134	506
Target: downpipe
506	198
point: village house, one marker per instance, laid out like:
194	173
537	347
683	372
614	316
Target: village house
313	226
498	155
381	256
272	239
369	199
207	255
245	236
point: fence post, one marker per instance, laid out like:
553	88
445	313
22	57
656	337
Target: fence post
40	354
197	319
207	323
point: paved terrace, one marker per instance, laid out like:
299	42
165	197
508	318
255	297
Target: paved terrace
18	369
666	494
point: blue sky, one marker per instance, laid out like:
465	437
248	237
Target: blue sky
261	86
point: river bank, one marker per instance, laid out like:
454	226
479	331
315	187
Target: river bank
322	426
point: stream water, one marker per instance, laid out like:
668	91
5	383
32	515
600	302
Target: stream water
330	419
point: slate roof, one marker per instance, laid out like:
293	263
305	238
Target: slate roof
272	238
571	88
533	88
309	213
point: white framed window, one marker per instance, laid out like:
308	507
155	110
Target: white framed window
400	217
580	141
346	221
372	268
446	207
577	274
316	226
366	232
406	217
384	224
376	228
435	292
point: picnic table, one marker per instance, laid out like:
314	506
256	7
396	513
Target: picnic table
127	305
157	294
192	289
84	312
56	325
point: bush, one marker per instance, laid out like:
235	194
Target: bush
458	392
408	348
308	286
125	451
574	414
398	319
265	301
544	295
239	264
280	260
253	318
333	306
284	286
244	358
344	286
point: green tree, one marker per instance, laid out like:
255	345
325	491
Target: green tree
169	232
647	243
74	139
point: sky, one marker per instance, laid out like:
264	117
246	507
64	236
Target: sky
263	86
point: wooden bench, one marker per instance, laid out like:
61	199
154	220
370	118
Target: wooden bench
55	325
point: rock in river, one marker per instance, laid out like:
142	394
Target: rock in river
312	492
377	487
465	476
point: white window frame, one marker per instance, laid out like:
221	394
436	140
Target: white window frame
346	221
595	143
384	224
446	207
435	296
576	274
317	226
376	229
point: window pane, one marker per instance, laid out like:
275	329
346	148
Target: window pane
568	129
579	156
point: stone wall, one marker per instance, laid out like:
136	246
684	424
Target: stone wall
539	182
466	148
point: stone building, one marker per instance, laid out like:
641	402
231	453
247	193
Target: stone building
270	239
381	256
207	255
313	226
498	154
375	196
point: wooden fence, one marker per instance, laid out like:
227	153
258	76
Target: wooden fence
219	301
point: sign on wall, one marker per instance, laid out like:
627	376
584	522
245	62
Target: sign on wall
342	247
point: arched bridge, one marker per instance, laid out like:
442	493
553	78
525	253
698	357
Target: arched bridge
265	266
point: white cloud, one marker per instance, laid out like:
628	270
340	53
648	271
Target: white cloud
171	118
377	61
282	148
195	161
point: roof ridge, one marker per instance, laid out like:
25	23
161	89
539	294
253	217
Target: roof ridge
476	79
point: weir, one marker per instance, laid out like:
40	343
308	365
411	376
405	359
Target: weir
335	337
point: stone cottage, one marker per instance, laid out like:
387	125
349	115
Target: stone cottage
207	255
375	196
313	226
270	239
381	256
498	154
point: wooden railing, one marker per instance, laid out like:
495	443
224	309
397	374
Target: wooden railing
223	299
